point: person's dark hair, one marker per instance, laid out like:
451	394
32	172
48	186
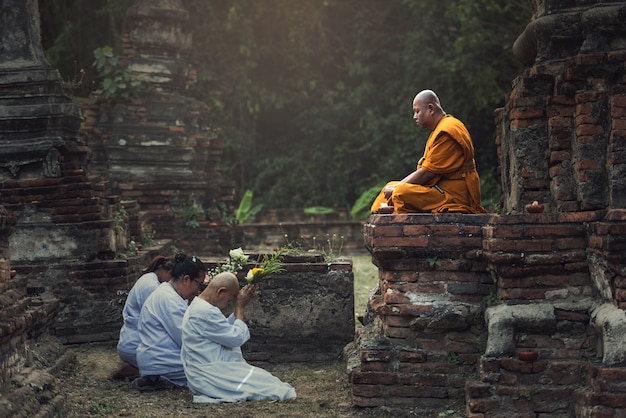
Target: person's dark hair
192	266
166	263
158	262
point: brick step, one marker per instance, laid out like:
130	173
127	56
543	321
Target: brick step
518	400
34	388
600	404
25	315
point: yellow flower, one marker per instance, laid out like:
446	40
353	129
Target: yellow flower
254	275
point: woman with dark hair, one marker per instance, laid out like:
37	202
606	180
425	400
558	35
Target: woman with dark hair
160	327
158	271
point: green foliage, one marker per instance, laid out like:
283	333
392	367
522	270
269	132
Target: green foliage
433	262
245	210
148	235
362	206
490	191
192	212
492	299
318	210
118	83
316	107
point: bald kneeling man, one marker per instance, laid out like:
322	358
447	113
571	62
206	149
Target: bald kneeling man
211	348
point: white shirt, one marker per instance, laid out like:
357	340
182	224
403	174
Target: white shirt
129	334
160	332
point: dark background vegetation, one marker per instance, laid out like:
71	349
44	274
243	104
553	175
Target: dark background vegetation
313	97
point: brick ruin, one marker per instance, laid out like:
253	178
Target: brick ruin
79	209
462	296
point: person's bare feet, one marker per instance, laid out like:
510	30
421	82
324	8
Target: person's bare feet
385	210
125	371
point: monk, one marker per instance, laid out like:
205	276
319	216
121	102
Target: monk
446	179
211	348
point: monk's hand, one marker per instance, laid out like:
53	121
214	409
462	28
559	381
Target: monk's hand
246	294
388	191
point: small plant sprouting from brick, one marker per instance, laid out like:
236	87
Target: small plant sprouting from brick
192	213
148	236
524	394
492	299
118	82
121	216
453	357
433	262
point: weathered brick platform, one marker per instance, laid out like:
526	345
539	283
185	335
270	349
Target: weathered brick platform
460	296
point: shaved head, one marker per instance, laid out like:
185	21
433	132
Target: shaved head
225	279
426	97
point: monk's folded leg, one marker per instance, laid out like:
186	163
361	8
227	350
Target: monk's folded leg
414	198
381	199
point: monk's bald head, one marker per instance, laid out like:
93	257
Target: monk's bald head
426	97
225	279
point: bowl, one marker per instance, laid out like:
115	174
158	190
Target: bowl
534	208
528	355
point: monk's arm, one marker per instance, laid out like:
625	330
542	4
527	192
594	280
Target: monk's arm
419	176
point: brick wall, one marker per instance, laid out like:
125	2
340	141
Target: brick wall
460	296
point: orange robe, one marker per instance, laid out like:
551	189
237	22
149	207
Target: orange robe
449	153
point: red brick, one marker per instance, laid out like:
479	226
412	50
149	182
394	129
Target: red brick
456	242
398	321
558	156
417	391
531	113
365	402
584	109
483	405
589	130
618	112
377	366
558	122
402	333
618	101
585	119
571	242
589	96
560	100
374	355
566	111
395	298
368	391
421	242
524	123
415	230
535	245
400	276
523	294
553	230
374	378
428	288
386	231
411	357
618	124
586	165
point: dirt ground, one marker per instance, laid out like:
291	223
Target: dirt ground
322	390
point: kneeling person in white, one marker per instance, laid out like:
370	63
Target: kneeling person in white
211	348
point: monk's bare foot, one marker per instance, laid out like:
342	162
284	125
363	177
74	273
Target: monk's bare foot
385	210
125	371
